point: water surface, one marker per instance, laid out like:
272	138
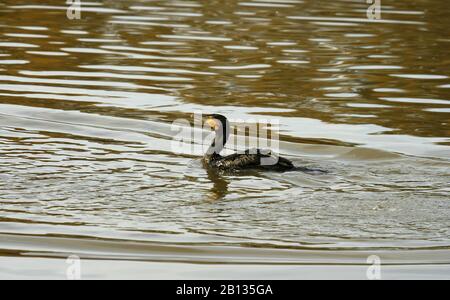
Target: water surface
87	168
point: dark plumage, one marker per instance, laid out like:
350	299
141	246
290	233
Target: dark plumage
251	159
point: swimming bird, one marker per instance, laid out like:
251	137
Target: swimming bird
250	159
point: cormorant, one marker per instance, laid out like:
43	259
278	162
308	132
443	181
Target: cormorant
251	159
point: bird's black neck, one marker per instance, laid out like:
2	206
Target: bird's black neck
220	139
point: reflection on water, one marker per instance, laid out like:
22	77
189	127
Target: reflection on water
85	139
220	185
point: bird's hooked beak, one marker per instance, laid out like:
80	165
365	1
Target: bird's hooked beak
212	123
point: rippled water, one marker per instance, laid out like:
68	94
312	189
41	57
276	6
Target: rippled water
86	165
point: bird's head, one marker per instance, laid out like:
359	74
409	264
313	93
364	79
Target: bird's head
216	121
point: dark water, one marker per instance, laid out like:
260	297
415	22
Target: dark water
87	168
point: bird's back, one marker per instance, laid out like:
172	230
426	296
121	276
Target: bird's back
253	159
